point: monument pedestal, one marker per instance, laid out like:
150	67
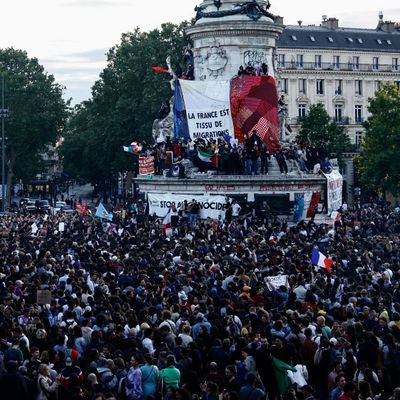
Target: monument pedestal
279	189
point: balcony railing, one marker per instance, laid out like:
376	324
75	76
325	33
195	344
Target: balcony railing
339	67
341	121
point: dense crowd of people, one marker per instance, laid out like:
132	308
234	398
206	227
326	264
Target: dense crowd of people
219	310
232	158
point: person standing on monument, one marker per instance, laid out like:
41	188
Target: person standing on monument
281	160
264	158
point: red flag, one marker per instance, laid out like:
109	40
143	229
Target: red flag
82	209
160	70
313	204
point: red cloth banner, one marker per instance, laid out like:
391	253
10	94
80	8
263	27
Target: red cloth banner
146	165
316	196
254	105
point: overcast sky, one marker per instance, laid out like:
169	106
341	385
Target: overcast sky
70	37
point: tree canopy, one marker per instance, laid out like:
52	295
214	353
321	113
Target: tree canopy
37	113
317	127
124	103
379	161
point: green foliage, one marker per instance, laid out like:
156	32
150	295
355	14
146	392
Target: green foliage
37	112
124	103
317	127
379	162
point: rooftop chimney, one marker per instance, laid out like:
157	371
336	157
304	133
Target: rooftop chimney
387	26
330	23
299	22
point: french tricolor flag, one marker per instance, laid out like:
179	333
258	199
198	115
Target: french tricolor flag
317	258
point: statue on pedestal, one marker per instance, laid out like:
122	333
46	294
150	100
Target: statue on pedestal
251	8
283	115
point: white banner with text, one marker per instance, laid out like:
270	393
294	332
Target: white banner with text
210	206
208	109
335	190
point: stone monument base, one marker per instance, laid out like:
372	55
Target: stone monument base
279	190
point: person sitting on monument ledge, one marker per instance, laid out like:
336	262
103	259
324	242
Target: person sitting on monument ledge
326	166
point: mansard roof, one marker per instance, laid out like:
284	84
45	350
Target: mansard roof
350	39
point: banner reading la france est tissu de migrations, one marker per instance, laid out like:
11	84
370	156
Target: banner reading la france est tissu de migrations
210	206
334	192
208	109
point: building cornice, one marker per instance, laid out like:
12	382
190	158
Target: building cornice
318	51
236	29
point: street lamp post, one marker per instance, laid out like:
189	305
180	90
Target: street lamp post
3	116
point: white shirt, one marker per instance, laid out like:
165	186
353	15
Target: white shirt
186	339
235	210
148	345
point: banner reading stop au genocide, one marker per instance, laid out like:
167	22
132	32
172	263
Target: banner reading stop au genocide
210	206
335	189
208	109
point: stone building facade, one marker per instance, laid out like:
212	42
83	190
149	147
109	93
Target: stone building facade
339	67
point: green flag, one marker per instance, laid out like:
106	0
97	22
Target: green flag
282	378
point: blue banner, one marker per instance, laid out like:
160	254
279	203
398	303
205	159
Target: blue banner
181	128
298	207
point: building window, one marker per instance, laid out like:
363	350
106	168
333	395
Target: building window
375	63
320	86
356	62
395	64
299	62
359	40
338	113
358	87
302	110
302	86
281	60
318	61
336	62
283	85
397	83
358	138
358	114
312	38
338	87
377	85
330	39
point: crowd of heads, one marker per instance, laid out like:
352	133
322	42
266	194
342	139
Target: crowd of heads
123	311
